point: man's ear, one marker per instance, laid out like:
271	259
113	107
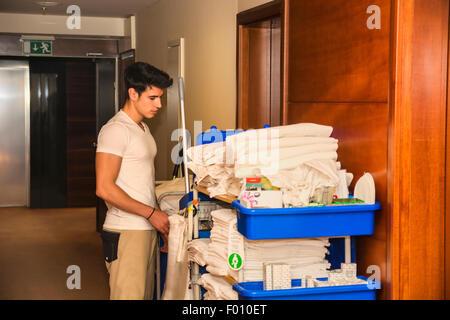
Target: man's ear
133	94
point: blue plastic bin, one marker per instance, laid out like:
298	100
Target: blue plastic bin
255	291
306	222
214	135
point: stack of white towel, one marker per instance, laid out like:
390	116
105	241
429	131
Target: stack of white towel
224	228
212	169
198	251
298	159
306	257
214	256
217	288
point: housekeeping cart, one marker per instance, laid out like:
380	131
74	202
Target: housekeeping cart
339	222
332	221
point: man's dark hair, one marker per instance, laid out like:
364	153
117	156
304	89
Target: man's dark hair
141	75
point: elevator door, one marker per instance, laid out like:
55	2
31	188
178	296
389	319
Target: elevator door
14	133
47	134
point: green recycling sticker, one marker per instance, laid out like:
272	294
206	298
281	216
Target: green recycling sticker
235	261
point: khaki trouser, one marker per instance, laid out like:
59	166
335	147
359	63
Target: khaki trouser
132	274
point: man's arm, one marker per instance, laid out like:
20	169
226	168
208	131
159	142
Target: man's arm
107	168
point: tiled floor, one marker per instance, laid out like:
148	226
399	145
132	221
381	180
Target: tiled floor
37	247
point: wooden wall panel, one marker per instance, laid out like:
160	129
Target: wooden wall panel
417	149
385	93
362	133
447	190
333	56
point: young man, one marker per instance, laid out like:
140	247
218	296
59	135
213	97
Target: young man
125	176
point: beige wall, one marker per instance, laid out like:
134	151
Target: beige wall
209	30
247	4
56	25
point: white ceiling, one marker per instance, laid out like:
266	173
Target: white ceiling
96	8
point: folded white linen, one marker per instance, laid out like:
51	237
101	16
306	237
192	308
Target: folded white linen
274	168
211	153
293	130
217	288
269	156
220	167
305	256
316	270
198	251
274	243
262	143
224	215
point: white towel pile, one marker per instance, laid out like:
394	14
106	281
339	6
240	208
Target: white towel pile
305	257
224	227
298	159
217	288
216	257
198	251
212	170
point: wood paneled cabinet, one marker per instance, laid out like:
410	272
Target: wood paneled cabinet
376	71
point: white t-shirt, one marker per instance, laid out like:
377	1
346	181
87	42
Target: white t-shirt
123	137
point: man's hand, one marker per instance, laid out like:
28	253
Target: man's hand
160	221
165	247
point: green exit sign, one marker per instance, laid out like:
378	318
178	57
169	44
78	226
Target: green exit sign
37	47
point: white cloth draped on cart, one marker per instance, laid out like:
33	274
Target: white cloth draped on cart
177	273
298	184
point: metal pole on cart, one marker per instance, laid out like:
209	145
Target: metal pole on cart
183	123
195	268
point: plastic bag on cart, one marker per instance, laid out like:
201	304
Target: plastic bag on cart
177	274
169	194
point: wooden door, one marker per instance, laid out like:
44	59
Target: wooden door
126	58
259	63
81	132
47	134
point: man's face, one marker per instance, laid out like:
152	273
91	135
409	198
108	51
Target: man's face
149	102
